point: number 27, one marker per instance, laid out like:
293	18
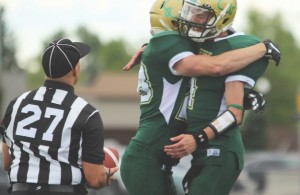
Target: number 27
37	114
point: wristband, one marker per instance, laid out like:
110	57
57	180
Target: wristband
223	122
237	106
200	138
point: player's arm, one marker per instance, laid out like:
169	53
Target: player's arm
225	63
97	176
215	67
186	144
6	157
234	96
136	59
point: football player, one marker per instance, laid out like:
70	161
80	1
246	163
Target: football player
167	63
215	106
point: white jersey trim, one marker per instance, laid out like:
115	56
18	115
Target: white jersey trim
169	96
248	82
177	58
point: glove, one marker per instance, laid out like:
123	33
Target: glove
273	51
255	101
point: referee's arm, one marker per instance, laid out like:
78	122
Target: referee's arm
96	175
6	159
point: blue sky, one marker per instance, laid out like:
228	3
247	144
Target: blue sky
32	21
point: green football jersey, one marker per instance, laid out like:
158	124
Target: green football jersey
162	93
207	99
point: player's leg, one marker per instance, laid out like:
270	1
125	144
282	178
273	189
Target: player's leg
216	177
141	172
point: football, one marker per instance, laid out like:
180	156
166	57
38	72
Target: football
111	157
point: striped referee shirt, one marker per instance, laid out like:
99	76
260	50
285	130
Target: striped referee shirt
49	132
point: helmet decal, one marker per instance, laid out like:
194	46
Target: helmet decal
169	10
164	15
231	9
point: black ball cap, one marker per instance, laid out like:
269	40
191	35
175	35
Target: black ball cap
61	56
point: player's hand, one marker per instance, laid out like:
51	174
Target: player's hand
184	144
255	101
273	51
135	60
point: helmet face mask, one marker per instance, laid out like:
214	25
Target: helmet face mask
164	15
206	19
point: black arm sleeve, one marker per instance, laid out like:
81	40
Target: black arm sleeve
93	140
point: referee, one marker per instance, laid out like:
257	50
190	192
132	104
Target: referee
53	139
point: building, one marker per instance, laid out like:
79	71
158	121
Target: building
115	95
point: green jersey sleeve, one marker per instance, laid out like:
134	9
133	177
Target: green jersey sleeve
255	69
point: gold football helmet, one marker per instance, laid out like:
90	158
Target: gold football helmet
164	15
206	19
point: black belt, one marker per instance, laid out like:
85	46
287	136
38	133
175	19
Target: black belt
42	187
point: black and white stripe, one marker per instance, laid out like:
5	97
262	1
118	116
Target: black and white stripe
45	136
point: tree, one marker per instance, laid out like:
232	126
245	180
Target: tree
8	48
280	107
116	54
111	56
286	74
34	79
93	62
8	60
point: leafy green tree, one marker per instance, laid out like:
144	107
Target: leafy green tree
284	79
8	48
8	60
280	106
34	79
116	54
93	63
110	56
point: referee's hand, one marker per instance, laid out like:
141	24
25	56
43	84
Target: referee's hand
110	174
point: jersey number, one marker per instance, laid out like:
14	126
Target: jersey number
144	85
193	90
37	115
